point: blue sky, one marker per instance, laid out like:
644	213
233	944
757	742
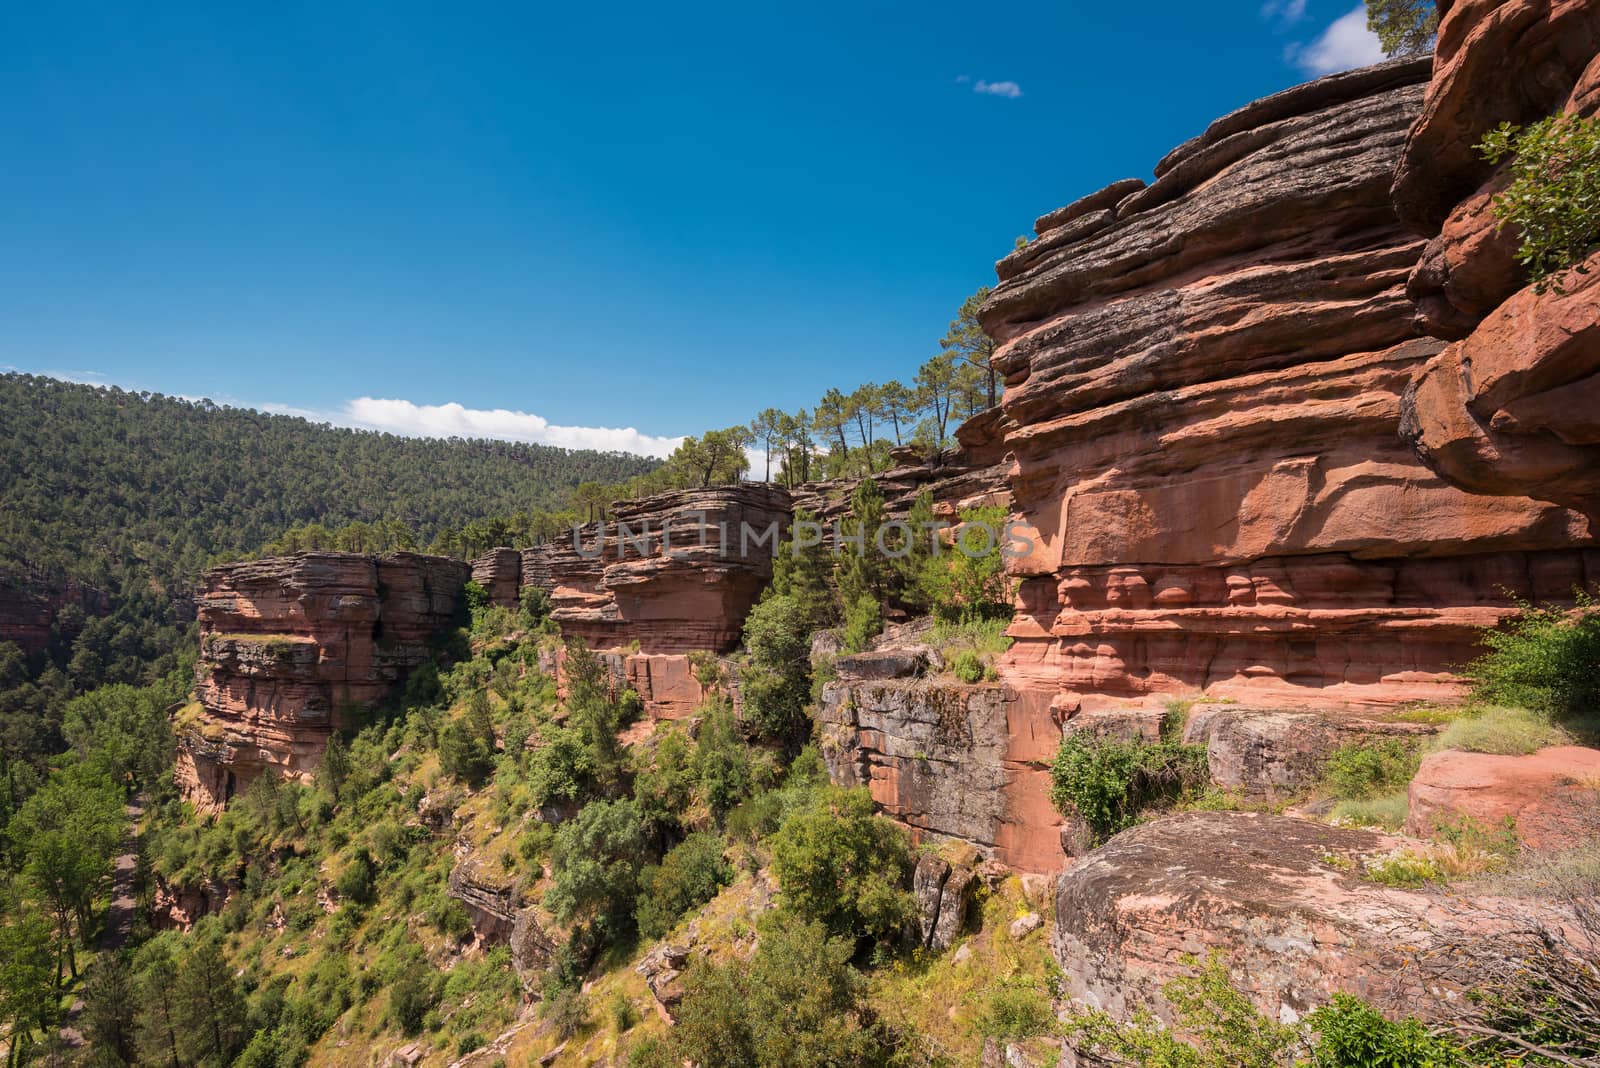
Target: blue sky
636	215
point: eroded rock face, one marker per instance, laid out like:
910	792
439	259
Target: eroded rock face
1275	753
1282	898
1552	797
1510	407
294	647
676	572
29	604
947	759
1203	389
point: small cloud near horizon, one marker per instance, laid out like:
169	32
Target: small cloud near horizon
1345	45
1008	90
456	420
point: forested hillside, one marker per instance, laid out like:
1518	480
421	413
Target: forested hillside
133	493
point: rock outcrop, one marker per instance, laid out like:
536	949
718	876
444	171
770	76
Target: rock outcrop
1509	408
1551	798
1203	387
293	648
29	604
1282	898
946	758
676	572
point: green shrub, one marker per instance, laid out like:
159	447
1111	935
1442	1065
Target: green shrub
1544	660
863	621
1388	812
412	996
1365	771
967	666
1352	1034
1405	869
688	877
1553	198
595	863
622	1012
1108	782
1015	1008
468	1042
842	865
1225	1028
568	1012
1503	731
968	581
777	681
797	1001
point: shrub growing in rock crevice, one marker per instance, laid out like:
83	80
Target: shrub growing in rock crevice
1110	782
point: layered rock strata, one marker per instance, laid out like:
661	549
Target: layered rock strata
675	573
1510	406
293	648
1203	388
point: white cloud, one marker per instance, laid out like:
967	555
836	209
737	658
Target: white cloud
1009	90
1285	12
1345	45
455	420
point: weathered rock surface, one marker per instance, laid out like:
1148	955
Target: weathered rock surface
1516	406
1496	61
1552	796
1204	405
948	759
499	572
676	572
1274	752
489	897
1509	408
294	647
1280	897
941	890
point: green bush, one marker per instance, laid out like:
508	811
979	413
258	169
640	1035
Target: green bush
967	666
688	877
595	863
1365	771
863	621
568	1012
412	996
1388	812
968	580
1108	782
796	1002
1546	660
1502	731
840	864
1015	1008
1553	198
1352	1034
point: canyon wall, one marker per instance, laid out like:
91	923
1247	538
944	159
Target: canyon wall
29	604
1204	380
293	648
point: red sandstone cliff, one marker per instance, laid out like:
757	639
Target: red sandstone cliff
293	648
1205	377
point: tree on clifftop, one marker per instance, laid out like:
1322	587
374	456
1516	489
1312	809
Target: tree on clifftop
1404	27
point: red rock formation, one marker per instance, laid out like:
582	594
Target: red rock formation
1283	899
1552	796
499	572
676	572
1510	407
1203	382
29	604
293	648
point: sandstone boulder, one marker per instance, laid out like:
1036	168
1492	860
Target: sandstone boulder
1281	898
1277	752
942	891
1552	796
